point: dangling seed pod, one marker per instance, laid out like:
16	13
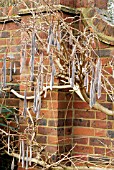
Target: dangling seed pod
11	70
23	153
27	158
4	71
13	164
32	56
30	157
25	104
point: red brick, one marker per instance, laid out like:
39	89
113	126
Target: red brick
100	142
68	131
81	122
44	104
99	124
53	105
83	149
100	132
51	149
64	140
64	105
41	139
49	114
12	26
65	114
100	115
109	152
81	105
101	4
83	131
52	140
2	42
84	114
47	131
52	95
12	102
81	140
100	151
78	3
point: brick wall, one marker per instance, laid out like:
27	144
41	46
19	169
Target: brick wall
85	3
67	121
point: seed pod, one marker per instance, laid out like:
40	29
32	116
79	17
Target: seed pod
30	157
4	72
20	151
32	56
25	104
8	142
11	69
14	68
23	153
27	158
13	164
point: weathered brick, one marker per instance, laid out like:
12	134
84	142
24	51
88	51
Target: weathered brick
83	149
81	105
12	102
64	140
84	114
100	115
68	131
42	122
49	113
100	151
100	142
41	139
65	114
47	130
110	133
99	124
51	149
81	140
4	34
81	122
